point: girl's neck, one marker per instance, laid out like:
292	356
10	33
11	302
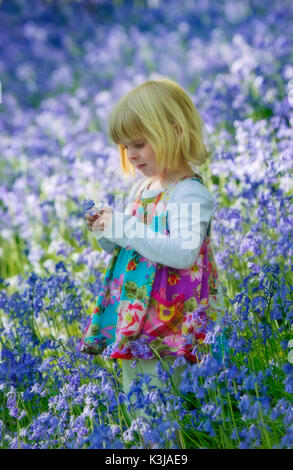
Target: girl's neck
167	179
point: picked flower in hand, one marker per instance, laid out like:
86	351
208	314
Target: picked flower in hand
87	204
97	218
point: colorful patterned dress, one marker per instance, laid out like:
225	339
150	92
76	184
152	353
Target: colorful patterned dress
168	310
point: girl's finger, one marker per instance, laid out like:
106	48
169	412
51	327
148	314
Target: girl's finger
98	226
91	217
107	208
93	212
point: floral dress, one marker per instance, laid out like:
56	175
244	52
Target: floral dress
145	306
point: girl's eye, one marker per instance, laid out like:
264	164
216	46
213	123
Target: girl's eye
137	146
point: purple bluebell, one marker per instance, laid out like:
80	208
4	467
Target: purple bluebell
87	204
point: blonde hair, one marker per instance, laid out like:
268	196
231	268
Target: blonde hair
161	112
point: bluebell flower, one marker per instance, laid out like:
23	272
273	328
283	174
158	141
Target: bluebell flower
275	413
233	435
87	204
121	398
115	430
102	438
287	440
265	403
200	392
288	418
207	427
32	279
249	382
289	383
179	361
185	387
288	369
244	404
254	434
244	439
60	266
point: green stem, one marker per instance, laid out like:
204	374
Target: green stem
262	420
232	414
3	412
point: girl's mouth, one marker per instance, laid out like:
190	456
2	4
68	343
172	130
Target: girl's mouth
141	166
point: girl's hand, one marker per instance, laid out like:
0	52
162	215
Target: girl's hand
92	215
99	220
103	220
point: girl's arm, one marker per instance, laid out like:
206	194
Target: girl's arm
179	249
105	243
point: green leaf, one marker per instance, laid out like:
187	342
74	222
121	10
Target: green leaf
141	293
131	289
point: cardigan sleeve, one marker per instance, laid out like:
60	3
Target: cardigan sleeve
189	213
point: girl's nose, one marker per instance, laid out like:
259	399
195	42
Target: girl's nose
132	154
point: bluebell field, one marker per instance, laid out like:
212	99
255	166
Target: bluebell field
63	66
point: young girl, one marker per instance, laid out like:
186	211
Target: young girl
159	298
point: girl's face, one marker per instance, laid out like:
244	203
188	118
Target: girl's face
142	156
